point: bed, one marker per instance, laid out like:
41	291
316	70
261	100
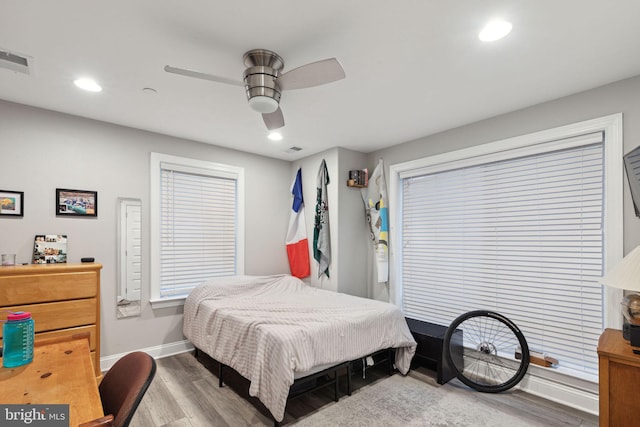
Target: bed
273	329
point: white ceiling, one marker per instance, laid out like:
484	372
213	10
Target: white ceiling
414	67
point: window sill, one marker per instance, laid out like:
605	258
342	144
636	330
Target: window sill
167	302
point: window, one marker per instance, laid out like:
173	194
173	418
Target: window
197	225
524	227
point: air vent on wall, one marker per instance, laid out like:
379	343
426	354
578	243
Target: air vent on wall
15	62
293	149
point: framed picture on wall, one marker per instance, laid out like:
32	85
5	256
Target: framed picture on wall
11	203
50	249
76	203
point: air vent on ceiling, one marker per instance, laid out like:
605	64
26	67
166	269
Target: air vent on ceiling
293	149
15	62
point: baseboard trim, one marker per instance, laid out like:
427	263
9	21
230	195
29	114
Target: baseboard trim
157	352
583	397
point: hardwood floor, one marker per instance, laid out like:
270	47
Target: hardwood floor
185	393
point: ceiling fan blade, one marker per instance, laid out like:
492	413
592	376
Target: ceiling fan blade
274	120
310	75
203	76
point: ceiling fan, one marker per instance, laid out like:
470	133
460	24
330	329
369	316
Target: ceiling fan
264	80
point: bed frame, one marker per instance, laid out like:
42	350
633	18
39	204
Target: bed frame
331	373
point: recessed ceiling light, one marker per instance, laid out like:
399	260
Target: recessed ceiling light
275	136
88	84
495	30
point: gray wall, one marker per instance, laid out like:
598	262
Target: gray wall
42	150
346	220
620	97
353	237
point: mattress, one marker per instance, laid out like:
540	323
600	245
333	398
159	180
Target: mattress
272	329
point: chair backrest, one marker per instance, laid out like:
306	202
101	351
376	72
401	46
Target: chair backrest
124	385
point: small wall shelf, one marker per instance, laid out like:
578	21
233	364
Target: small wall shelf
352	183
358	178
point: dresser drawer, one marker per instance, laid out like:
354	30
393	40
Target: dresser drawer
28	289
60	315
91	330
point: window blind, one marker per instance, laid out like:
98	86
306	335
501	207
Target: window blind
523	237
197	229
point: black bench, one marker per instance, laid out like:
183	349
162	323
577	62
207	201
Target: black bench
429	337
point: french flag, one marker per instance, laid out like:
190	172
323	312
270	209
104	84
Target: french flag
297	243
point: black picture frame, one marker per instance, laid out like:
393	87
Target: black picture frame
11	203
77	203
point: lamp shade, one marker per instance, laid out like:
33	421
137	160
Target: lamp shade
626	274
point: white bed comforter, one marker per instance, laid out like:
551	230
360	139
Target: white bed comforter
269	328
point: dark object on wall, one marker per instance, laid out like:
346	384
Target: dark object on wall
11	203
76	203
632	166
50	249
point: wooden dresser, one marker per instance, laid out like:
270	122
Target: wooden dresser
619	379
64	299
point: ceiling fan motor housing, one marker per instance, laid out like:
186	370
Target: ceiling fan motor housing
262	90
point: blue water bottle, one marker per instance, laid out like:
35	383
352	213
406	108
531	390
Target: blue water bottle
17	339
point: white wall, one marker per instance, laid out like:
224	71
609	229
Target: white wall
347	270
310	166
620	97
353	238
42	150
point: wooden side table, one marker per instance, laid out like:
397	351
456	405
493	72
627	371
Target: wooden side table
619	380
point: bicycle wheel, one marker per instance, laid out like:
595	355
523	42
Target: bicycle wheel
486	351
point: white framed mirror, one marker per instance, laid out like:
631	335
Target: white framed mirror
129	235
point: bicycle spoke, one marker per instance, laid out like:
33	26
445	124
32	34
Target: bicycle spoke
487	360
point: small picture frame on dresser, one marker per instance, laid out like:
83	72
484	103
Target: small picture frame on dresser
50	249
11	203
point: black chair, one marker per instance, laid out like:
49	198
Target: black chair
124	385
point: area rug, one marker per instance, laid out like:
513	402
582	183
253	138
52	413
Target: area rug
413	401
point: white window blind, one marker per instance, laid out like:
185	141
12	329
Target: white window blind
522	236
198	228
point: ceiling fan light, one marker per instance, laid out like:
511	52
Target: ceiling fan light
263	104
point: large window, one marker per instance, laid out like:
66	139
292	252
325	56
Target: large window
197	224
524	227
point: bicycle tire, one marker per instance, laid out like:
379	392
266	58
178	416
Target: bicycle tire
481	348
